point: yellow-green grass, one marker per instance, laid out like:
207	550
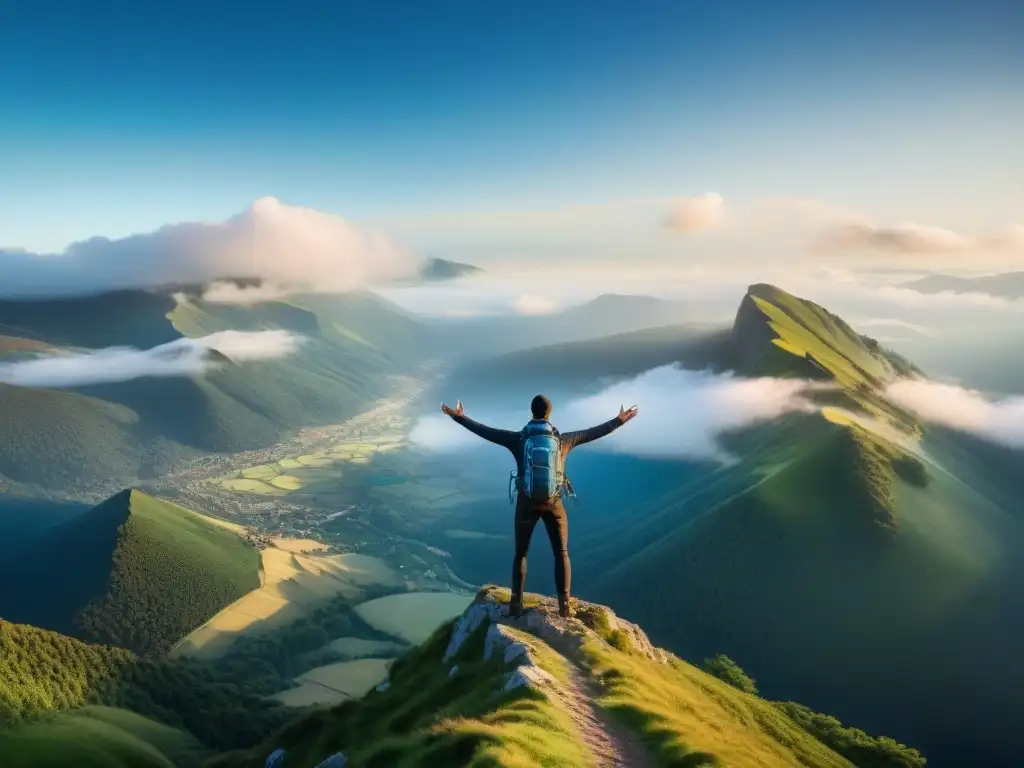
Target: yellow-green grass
246	485
799	340
260	472
689	718
428	718
287	483
293	585
333	683
315	461
348	448
98	737
412	616
290	464
807	331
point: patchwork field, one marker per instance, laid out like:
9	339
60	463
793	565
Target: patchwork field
412	616
293	585
313	472
333	683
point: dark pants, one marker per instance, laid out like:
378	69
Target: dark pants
557	526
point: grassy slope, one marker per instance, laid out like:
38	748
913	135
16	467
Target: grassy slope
428	717
788	542
112	434
54	438
135	572
99	737
43	673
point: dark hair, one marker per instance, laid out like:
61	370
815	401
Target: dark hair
540	407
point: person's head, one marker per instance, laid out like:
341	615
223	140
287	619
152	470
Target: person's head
540	407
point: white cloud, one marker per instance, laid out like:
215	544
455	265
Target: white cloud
1012	239
226	292
893	322
899	238
289	247
182	357
529	304
913	239
967	410
692	214
681	413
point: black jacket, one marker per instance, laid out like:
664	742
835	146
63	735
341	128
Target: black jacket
513	441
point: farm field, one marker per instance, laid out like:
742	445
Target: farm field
333	683
293	585
353	648
412	616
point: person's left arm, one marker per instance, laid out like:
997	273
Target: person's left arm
570	440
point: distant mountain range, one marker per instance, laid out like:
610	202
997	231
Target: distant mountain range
605	315
443	269
1008	285
95	438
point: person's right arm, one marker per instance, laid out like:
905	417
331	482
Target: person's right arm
503	437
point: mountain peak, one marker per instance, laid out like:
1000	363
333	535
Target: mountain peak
778	334
443	269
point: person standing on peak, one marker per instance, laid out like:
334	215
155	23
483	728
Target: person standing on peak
540	452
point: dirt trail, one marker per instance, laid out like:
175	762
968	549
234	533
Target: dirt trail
611	745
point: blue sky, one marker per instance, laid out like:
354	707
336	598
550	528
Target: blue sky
118	117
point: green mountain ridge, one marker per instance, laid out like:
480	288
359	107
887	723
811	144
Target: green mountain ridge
148	426
838	542
134	571
45	675
489	690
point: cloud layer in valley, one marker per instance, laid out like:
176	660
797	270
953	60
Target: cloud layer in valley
1001	421
182	357
681	413
287	247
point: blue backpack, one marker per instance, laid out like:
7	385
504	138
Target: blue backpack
543	478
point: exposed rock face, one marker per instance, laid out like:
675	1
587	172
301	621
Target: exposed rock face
508	637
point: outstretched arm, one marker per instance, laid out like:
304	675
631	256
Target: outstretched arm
571	440
503	437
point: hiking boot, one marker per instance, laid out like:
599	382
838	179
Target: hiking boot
564	609
515	608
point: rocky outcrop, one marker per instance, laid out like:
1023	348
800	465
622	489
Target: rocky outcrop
276	760
514	639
